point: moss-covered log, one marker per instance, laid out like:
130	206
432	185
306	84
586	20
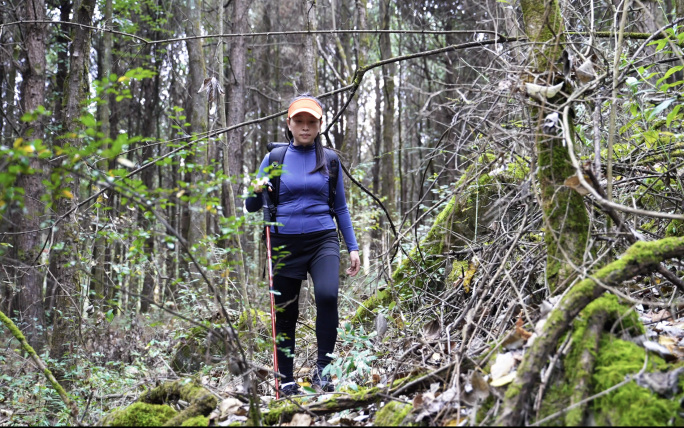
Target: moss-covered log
640	258
152	408
140	415
282	410
580	362
580	373
200	401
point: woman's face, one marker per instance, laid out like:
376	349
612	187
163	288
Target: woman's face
304	127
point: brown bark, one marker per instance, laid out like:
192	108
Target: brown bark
28	300
101	253
62	39
150	92
67	300
237	91
388	73
233	152
309	75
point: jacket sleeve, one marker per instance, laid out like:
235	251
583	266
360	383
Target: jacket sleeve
343	217
255	201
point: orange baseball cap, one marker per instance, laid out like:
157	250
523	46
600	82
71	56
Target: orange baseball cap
305	105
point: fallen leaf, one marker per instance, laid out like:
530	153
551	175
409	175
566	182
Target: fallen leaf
231	406
300	420
504	380
664	384
661	316
540	92
574	183
455	422
503	365
432	330
649	345
524	334
470	274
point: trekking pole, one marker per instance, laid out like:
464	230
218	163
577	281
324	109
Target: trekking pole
270	292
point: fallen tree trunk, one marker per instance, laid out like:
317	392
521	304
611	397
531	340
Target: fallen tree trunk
640	258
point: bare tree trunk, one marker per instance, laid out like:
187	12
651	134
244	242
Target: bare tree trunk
150	92
196	220
309	74
65	273
28	299
233	152
388	72
101	252
62	38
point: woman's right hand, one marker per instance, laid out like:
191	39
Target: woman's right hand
258	184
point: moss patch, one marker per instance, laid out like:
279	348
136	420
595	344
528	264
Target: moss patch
630	404
192	350
260	323
675	228
392	414
365	311
279	410
197	421
140	414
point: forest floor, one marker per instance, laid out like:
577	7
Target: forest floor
396	370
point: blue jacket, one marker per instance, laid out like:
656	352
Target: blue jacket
303	201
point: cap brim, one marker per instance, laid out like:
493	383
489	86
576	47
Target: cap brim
312	112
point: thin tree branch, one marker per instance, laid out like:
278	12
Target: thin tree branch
73	410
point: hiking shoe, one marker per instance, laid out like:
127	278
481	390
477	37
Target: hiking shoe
321	382
290	388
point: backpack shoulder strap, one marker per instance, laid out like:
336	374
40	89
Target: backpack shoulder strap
333	169
275	160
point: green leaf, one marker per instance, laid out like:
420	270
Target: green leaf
659	108
650	136
669	73
634	109
672	115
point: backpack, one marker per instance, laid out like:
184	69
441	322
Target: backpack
275	160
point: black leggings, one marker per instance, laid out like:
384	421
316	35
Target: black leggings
325	274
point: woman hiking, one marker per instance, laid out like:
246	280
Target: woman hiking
308	234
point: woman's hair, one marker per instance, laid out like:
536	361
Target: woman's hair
321	164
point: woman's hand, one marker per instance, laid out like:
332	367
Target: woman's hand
258	184
355	263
